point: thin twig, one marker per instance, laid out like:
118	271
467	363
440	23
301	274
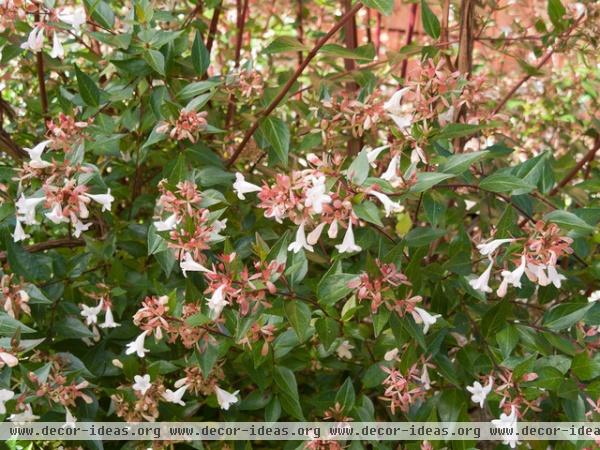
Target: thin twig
288	85
48	245
575	170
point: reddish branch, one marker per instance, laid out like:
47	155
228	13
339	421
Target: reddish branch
539	65
288	85
48	245
41	78
409	34
212	29
589	156
242	11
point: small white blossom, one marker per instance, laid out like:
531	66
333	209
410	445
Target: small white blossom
490	247
217	302
91	313
391	355
508	421
594	296
348	245
175	397
35	40
19	233
372	155
26	209
80	227
109	320
187	264
5	395
314	235
389	206
166	225
333	230
241	186
35	155
56	215
25	416
555	278
226	399
391	173
137	346
104	199
480	392
316	196
482	282
74	16
8	359
57	49
300	241
513	278
343	350
426	318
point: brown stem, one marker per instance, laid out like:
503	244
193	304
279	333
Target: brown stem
589	156
48	245
409	34
351	40
41	78
288	85
241	21
538	66
299	15
9	146
464	61
377	33
212	29
368	26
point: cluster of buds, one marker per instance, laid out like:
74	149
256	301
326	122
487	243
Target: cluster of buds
58	390
537	259
66	132
190	227
360	115
14	300
144	407
251	83
402	391
64	198
374	288
187	126
12	11
513	397
259	332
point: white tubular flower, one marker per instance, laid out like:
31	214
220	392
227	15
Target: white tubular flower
35	40
512	278
25	416
226	399
594	296
508	421
300	241
188	264
446	117
56	215
241	186
137	346
109	320
389	206
26	209
141	383
392	106
426	318
314	235
91	313
490	247
19	233
80	227
391	174
480	392
482	283
391	355
333	230
35	155
554	277
343	350
57	49
73	16
70	419
175	397
8	359
316	196
5	395
166	225
217	302
372	155
104	199
348	245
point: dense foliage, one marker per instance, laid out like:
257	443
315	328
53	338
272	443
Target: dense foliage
222	211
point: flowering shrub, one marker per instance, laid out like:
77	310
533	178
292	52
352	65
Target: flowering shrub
207	215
